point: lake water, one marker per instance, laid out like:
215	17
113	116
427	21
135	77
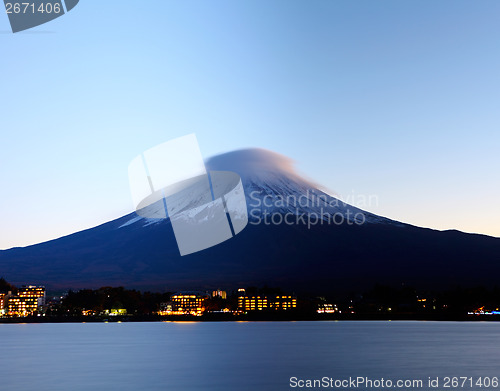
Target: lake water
239	356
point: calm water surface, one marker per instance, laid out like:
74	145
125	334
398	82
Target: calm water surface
238	356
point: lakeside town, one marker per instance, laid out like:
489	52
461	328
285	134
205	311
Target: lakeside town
33	303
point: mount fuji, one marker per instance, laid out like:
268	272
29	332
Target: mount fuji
342	249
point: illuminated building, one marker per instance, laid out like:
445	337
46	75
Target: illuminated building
28	300
17	306
165	309
219	293
115	312
2	303
266	302
325	308
33	292
185	303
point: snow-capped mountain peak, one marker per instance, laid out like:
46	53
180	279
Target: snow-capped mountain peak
272	186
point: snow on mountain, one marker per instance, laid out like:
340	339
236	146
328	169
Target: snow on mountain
272	186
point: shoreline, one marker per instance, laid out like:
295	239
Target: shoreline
248	318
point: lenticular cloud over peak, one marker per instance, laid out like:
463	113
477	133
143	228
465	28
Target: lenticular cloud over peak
251	161
259	165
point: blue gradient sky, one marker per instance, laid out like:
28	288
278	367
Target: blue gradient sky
398	99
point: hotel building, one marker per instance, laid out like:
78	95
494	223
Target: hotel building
28	300
186	303
266	302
